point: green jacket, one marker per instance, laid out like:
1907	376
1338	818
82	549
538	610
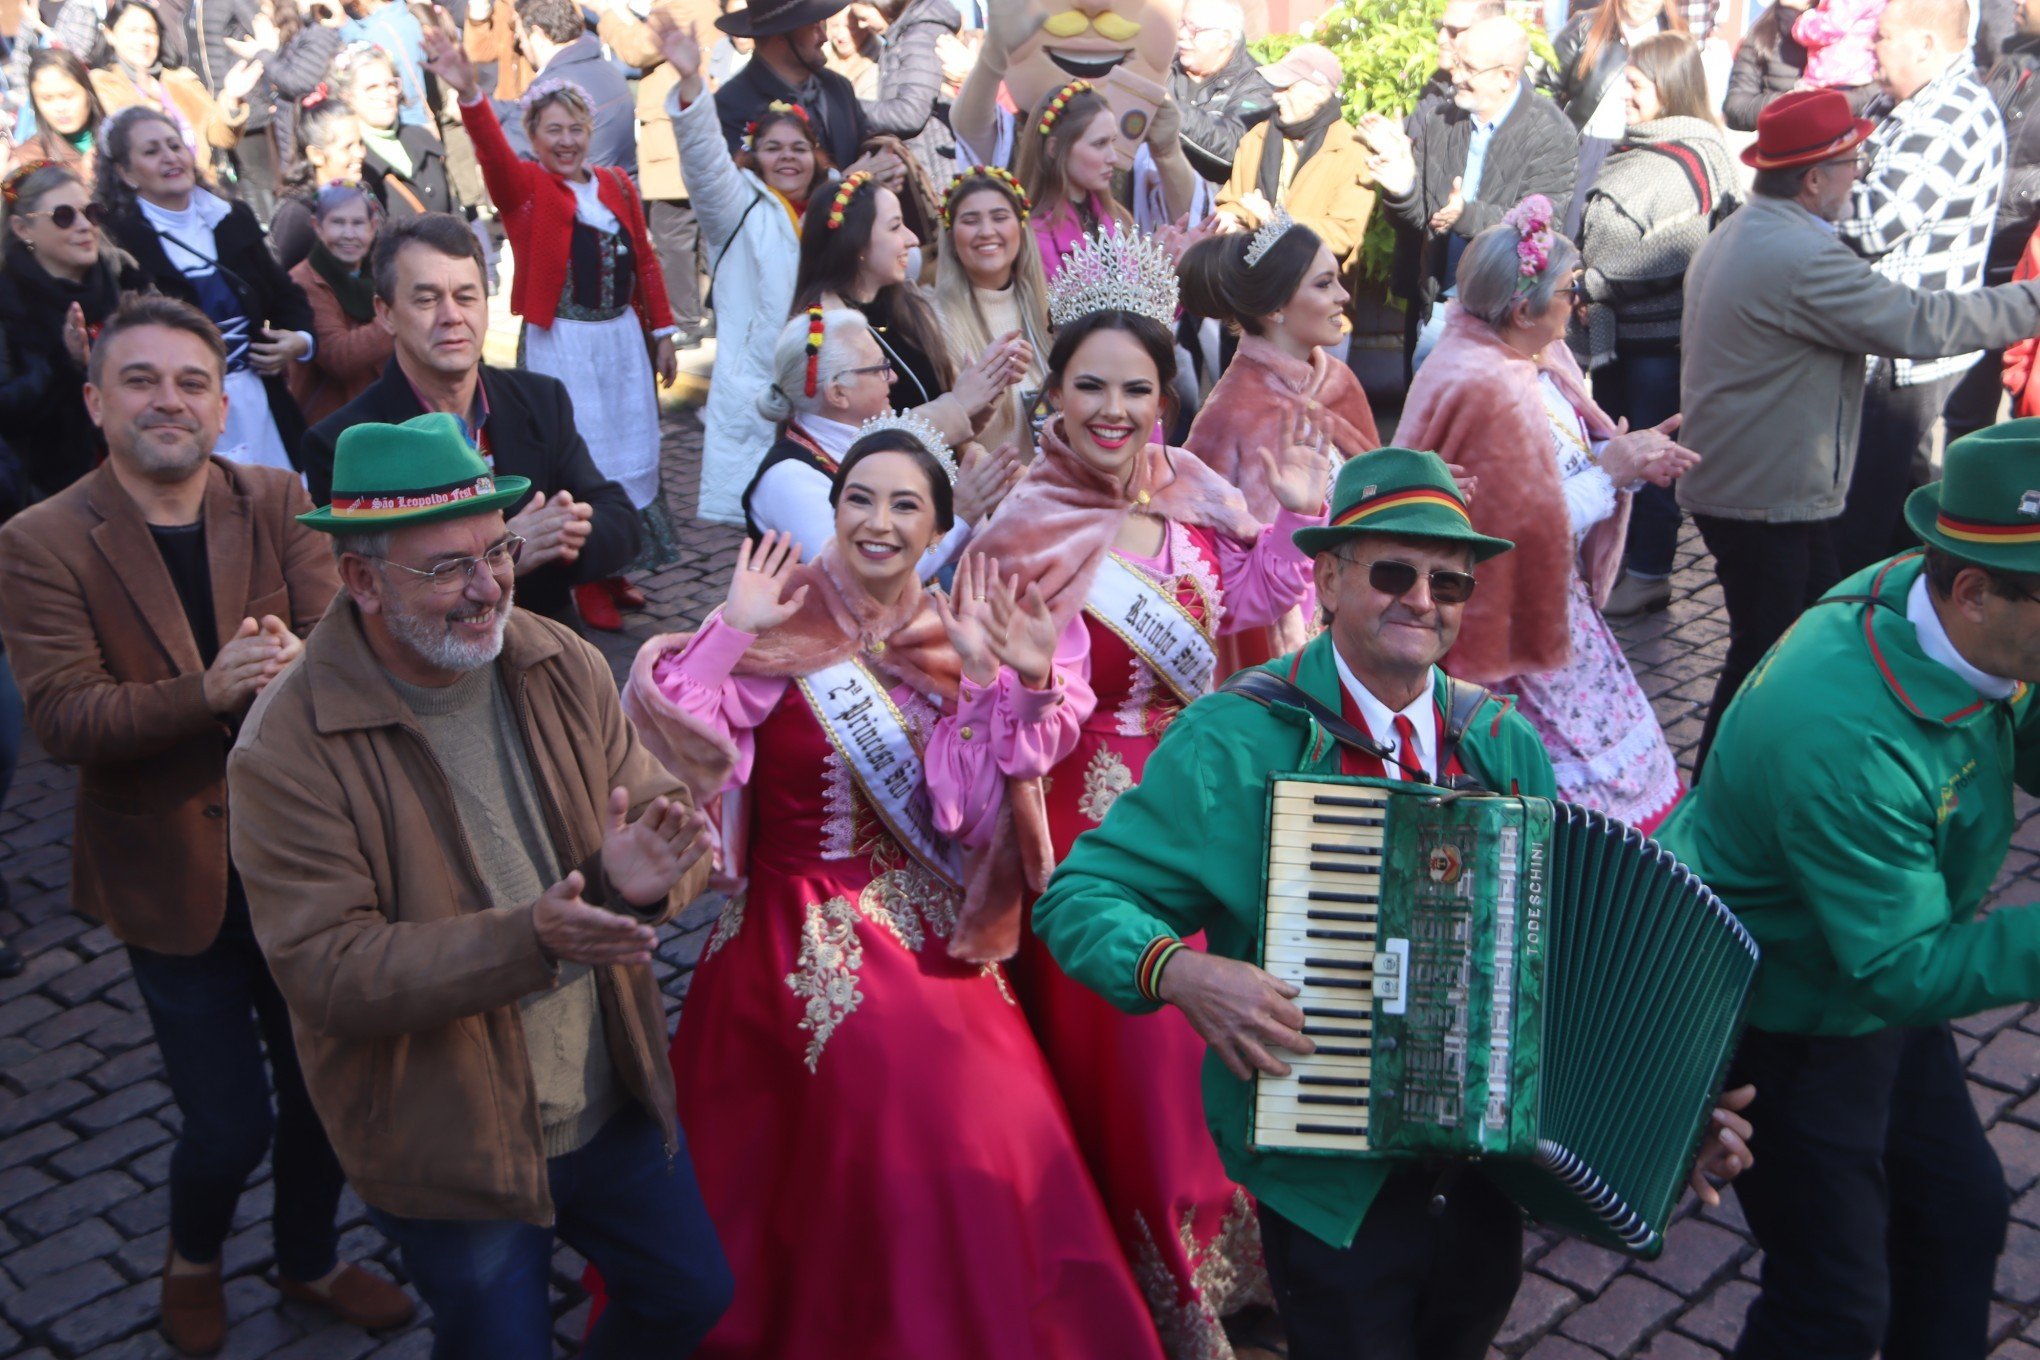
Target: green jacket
1184	851
1855	809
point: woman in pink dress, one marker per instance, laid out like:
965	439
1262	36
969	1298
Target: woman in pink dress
1135	557
878	1137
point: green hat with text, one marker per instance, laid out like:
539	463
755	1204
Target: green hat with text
388	476
1397	491
1986	507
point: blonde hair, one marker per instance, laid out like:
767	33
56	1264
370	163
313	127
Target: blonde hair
964	327
547	93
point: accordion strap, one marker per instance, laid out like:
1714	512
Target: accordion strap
1266	688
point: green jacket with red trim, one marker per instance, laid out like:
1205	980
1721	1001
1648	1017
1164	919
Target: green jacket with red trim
1184	851
1855	809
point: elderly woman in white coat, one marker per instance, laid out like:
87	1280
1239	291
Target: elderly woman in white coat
749	209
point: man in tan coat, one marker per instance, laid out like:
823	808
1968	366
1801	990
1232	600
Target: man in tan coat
434	814
1316	167
144	608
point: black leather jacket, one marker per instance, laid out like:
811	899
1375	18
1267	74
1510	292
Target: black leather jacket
1218	110
2014	82
1579	92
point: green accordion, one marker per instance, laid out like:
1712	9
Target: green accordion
1527	983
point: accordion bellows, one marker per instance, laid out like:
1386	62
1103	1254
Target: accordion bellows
1523	982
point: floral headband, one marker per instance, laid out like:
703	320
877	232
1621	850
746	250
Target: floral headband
10	188
996	173
846	191
1532	220
1059	103
814	349
777	106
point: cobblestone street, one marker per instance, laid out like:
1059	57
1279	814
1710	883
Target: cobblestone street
86	1119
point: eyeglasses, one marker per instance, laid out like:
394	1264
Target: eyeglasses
1471	71
1398	579
459	572
1451	30
65	216
887	369
1196	31
1858	162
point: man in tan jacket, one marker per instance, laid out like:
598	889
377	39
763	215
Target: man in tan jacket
434	815
144	608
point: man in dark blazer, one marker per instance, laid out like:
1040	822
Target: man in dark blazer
1467	160
432	295
146	605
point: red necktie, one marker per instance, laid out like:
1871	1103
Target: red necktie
1406	747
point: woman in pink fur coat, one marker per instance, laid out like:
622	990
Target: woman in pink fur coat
1502	396
1288	307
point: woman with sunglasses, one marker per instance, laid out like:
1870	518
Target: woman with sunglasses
59	281
1502	396
1132	558
352	348
194	245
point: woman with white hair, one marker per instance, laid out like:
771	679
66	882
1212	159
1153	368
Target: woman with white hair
829	377
589	288
1502	396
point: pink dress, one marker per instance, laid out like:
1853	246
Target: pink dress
1058	234
877	1135
1132	1081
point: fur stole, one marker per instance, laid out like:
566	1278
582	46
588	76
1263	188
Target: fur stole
1057	525
1254	401
1476	403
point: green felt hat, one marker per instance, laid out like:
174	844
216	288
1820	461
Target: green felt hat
1397	491
1986	507
388	476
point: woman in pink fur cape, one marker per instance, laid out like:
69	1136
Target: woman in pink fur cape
1288	307
1502	397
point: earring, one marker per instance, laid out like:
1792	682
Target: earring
934	543
1278	318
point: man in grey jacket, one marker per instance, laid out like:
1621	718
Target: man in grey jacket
1780	315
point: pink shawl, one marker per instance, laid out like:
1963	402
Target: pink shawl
1057	525
1252	404
1475	402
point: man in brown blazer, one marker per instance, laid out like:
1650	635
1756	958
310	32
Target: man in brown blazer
143	609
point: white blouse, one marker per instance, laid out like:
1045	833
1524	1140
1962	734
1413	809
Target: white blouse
1589	495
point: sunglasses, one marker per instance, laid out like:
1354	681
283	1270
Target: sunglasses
64	216
1398	579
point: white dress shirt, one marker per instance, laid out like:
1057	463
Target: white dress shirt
1380	719
1926	620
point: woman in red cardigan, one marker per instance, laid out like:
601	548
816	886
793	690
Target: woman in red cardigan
589	289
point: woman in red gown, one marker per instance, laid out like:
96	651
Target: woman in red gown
1140	556
878	1137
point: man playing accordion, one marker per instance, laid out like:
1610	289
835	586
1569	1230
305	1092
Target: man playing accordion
1363	1256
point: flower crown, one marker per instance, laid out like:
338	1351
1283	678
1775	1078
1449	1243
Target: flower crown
997	173
1059	103
10	188
846	191
1114	270
1272	231
814	348
926	435
777	106
1532	222
549	89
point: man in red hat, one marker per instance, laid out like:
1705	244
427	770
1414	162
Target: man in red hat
1780	314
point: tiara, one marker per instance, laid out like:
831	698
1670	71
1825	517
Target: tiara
1265	239
846	191
1059	103
912	423
1114	271
777	106
997	173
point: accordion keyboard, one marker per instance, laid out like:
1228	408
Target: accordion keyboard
1322	913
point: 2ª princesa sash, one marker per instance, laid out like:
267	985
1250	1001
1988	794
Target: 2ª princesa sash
1153	622
870	734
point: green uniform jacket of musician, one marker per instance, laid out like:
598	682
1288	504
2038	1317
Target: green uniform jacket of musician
1184	851
1855	809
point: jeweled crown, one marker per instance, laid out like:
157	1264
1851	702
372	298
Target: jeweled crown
911	422
1264	240
1114	269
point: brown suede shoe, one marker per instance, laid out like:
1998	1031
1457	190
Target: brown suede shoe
194	1311
356	1296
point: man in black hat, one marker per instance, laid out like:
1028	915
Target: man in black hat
787	63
